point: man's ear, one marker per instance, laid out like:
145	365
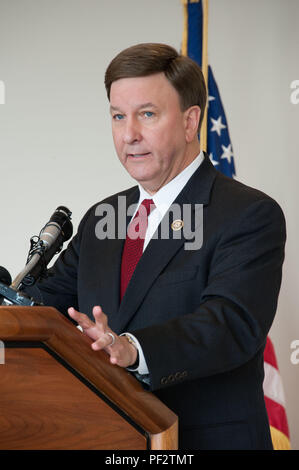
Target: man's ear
192	116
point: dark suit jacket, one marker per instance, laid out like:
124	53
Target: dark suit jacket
201	316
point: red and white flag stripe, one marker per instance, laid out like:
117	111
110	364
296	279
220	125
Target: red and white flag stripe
275	400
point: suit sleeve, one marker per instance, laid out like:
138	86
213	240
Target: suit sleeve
237	306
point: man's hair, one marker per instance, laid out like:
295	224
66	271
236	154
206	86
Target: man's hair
183	73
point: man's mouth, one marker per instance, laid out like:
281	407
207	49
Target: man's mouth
138	155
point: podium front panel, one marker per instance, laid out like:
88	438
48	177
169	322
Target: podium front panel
45	405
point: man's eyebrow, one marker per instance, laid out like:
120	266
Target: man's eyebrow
141	106
114	108
147	105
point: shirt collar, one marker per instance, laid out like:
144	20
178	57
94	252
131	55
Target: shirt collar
168	193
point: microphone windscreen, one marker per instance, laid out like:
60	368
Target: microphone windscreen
62	217
5	277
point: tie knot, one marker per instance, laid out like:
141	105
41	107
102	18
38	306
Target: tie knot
148	204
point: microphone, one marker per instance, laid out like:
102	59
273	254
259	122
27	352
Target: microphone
43	248
5	277
49	242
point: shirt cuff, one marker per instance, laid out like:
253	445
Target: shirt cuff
142	368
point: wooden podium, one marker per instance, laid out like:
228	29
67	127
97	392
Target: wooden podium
57	393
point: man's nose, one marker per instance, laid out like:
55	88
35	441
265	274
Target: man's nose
132	131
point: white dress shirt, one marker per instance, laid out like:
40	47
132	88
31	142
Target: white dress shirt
162	200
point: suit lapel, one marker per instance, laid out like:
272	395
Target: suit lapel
160	251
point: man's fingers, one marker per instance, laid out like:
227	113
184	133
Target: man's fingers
104	341
80	318
117	347
100	318
124	354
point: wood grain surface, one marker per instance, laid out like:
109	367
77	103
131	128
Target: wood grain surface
49	408
34	374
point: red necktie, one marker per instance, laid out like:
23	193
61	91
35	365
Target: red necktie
133	247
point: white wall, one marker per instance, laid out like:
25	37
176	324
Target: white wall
55	143
252	49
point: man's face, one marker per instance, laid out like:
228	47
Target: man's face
149	129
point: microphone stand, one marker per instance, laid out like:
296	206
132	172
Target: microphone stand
49	242
14	297
11	295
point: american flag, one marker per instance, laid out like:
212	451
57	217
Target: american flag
220	151
219	146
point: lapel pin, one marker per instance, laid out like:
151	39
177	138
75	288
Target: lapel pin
177	225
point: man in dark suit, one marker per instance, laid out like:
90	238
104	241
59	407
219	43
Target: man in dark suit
191	316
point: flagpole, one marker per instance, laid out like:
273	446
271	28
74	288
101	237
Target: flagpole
204	67
205	63
185	28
